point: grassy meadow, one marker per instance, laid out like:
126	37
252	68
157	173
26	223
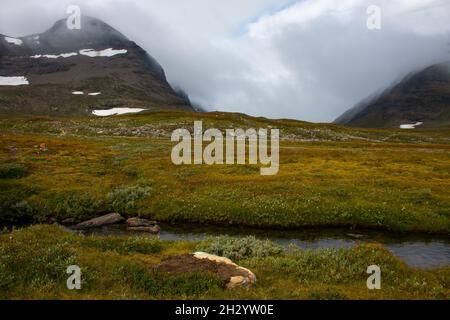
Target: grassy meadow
53	169
329	176
33	263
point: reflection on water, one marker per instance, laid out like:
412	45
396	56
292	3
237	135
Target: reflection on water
417	251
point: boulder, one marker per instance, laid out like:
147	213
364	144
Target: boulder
232	275
112	218
143	225
153	229
138	222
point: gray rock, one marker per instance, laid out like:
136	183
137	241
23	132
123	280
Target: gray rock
112	218
68	221
153	229
138	222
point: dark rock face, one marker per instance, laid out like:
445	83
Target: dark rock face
421	97
133	79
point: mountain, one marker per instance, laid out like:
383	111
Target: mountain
421	97
73	72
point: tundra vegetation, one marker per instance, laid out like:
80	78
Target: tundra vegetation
33	264
329	176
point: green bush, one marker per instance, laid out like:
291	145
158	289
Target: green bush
124	199
16	207
130	172
161	284
239	248
32	262
327	294
79	205
16	212
125	245
336	266
12	171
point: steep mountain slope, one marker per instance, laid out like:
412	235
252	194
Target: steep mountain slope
421	97
72	72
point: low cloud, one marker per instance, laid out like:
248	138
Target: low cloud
309	60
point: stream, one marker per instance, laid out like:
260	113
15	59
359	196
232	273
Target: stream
420	251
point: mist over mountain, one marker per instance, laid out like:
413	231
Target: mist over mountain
73	72
421	97
308	60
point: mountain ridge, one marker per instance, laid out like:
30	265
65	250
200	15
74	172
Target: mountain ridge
95	59
420	97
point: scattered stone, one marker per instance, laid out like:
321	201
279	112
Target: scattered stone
43	147
13	150
232	275
112	218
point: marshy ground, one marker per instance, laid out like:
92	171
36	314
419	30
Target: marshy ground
79	168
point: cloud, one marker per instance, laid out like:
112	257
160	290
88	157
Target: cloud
310	59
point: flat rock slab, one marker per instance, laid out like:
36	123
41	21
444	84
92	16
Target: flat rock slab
231	274
138	222
153	230
112	218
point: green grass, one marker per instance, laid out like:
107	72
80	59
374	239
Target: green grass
33	264
329	175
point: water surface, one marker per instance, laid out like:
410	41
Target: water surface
419	251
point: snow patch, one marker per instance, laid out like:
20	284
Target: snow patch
411	125
13	81
116	111
15	41
89	94
54	56
85	52
110	52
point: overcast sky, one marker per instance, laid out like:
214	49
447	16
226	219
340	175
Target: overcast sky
309	59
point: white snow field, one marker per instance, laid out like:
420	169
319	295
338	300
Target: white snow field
54	56
411	125
84	52
110	52
116	111
13	81
15	41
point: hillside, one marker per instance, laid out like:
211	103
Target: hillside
329	175
72	72
421	97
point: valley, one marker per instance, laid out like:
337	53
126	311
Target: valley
59	169
99	179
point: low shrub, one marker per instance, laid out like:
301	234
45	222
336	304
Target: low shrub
79	205
161	284
12	171
327	294
26	261
125	245
124	199
240	248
